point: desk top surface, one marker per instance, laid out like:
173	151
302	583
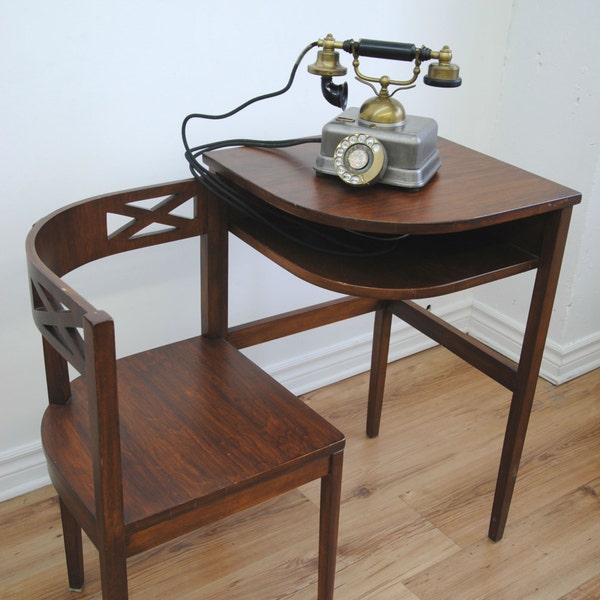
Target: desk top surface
471	190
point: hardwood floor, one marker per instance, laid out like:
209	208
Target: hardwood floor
415	507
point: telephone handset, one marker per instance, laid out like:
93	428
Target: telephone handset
379	141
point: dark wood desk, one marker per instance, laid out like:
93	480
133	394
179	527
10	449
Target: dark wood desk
478	220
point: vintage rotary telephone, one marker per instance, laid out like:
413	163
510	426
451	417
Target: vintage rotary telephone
379	141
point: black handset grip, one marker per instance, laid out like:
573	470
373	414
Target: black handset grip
381	49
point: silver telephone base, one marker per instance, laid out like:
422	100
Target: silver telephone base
411	148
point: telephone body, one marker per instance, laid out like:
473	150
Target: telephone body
361	153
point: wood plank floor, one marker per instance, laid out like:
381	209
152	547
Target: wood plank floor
415	510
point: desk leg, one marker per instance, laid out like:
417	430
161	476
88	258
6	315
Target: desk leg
540	310
379	358
214	258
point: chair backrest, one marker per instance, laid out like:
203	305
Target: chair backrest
73	331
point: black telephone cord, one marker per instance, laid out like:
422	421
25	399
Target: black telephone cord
351	244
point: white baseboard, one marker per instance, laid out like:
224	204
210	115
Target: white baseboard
560	363
23	469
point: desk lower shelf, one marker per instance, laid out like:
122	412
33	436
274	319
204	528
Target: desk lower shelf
419	266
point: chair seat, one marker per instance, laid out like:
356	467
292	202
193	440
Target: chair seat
197	419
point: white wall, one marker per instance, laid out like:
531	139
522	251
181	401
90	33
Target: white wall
548	123
93	97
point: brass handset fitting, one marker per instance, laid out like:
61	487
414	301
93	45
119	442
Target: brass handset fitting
328	60
444	73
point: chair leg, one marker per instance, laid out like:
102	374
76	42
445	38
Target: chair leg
328	527
73	548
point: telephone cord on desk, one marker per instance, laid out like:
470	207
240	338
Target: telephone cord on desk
331	240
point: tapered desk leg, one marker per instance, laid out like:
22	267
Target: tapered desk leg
553	243
379	358
214	258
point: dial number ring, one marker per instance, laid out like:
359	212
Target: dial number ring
359	159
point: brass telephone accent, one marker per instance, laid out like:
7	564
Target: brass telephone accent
379	141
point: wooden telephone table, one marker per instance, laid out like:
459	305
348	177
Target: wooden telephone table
478	220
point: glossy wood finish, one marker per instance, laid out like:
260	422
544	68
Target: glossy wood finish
478	220
419	266
470	191
149	447
415	503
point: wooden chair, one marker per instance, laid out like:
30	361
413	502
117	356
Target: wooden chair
145	448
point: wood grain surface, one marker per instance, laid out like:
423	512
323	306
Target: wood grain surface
414	514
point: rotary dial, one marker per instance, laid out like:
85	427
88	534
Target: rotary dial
360	159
